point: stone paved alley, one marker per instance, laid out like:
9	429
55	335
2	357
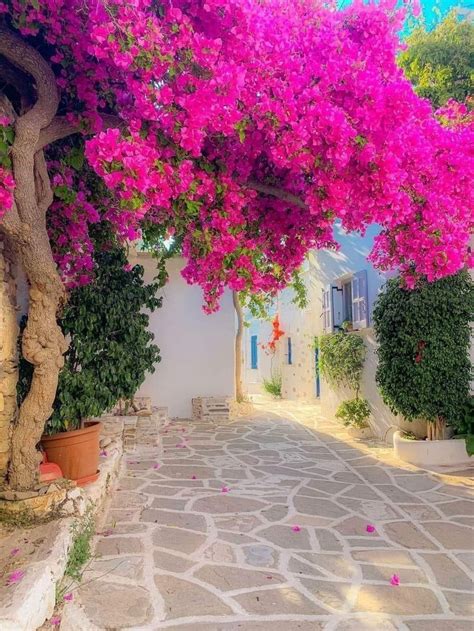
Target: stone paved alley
260	524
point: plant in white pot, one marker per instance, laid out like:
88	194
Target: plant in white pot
424	371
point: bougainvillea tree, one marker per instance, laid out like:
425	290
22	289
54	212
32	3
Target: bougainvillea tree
242	127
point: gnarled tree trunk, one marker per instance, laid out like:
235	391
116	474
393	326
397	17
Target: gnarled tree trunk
25	226
239	392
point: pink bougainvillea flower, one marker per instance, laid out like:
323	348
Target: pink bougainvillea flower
395	580
55	621
296	528
15	577
225	489
69	596
14	552
193	477
370	528
157	465
103	453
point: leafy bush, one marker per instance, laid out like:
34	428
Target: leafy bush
273	385
342	358
110	347
354	413
424	370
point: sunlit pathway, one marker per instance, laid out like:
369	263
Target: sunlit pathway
261	524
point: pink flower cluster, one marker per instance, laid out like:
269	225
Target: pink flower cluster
247	128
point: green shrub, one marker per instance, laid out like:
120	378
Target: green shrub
273	385
354	413
110	349
341	359
424	370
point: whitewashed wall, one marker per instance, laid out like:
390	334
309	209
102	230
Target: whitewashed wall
253	377
197	350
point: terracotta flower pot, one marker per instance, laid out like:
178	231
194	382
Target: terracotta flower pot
76	452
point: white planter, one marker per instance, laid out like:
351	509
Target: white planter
426	453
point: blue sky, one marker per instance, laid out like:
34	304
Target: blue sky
435	10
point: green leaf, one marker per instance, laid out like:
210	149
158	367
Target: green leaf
470	444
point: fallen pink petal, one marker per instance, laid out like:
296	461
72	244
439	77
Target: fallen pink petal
103	453
225	489
193	477
157	465
296	528
106	533
69	596
15	577
370	528
55	620
395	580
14	552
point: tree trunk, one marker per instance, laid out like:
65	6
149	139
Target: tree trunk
8	354
239	392
43	346
25	226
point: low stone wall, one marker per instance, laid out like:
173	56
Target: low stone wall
215	409
42	552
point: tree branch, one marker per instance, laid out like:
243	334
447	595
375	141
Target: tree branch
44	193
60	127
23	56
273	191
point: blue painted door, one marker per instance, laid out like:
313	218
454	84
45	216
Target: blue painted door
253	352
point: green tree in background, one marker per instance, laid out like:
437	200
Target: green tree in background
440	63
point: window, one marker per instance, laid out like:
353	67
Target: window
327	308
290	356
253	352
360	317
347	302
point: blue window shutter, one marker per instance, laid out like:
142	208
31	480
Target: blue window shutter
253	352
360	302
290	356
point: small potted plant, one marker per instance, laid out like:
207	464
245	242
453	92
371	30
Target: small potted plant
354	414
109	353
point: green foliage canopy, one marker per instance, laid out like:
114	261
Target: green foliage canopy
440	63
424	370
342	358
110	349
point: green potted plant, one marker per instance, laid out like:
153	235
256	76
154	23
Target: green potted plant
424	371
109	354
354	414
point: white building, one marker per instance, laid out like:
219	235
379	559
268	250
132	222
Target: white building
197	350
342	286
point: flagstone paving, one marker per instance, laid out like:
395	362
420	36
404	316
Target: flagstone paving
260	524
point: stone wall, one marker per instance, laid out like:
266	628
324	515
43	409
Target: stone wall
211	409
8	352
